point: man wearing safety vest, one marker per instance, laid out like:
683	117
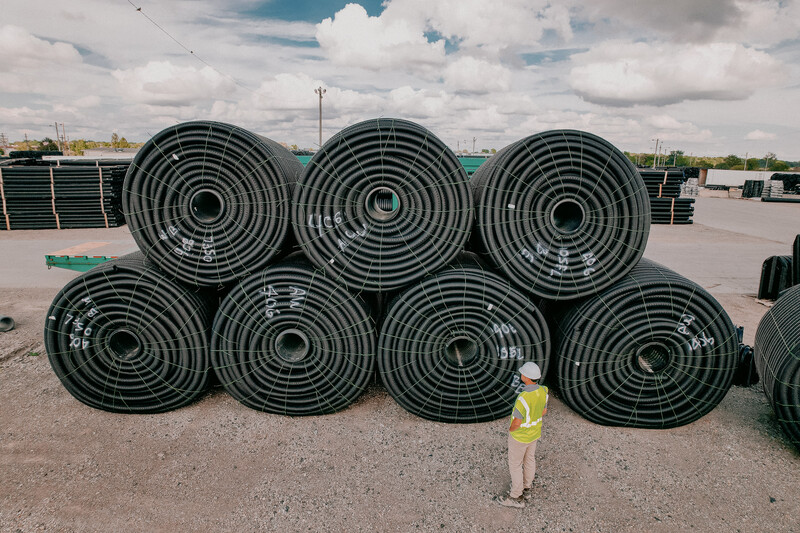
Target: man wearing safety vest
524	432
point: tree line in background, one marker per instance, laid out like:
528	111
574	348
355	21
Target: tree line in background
76	147
677	158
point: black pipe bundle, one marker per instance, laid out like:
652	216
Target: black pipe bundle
382	204
671	210
664	189
662	183
776	276
752	188
209	202
777	355
796	261
654	350
288	340
563	213
450	346
125	338
44	197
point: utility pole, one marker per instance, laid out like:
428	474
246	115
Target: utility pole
473	144
655	157
27	146
320	91
745	161
64	134
58	138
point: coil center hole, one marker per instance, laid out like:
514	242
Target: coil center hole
206	206
568	216
292	345
124	344
652	357
460	350
382	204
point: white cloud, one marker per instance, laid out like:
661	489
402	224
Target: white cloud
22	50
415	104
88	101
163	83
685	19
476	23
763	22
473	75
758	135
354	38
294	92
753	22
618	73
408	33
664	122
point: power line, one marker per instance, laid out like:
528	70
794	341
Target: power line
191	52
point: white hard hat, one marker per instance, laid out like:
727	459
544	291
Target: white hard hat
530	370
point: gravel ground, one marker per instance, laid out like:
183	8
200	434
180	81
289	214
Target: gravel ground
219	466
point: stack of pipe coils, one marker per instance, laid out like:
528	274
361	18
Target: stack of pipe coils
664	190
47	197
378	274
777	355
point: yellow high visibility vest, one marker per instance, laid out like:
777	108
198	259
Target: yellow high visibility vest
531	406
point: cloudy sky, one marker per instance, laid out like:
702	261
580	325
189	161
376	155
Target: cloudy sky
708	77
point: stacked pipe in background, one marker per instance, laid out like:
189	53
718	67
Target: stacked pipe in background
47	197
752	188
664	189
779	273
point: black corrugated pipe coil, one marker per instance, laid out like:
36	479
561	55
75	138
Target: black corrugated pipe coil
654	350
209	202
125	338
563	214
382	204
777	355
289	340
451	345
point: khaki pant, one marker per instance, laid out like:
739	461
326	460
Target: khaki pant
522	464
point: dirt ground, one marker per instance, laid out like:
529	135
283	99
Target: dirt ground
219	466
